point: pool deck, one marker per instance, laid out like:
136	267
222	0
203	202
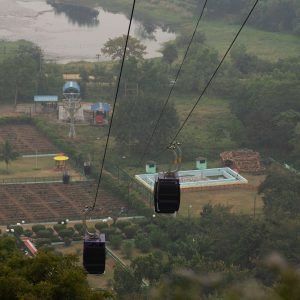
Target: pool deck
190	180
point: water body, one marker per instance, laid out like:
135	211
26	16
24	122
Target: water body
67	33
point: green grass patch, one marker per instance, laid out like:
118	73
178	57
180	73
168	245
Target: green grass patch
239	201
267	45
29	167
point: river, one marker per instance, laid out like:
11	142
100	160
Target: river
70	34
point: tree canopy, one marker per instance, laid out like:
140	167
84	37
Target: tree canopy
47	276
115	48
7	153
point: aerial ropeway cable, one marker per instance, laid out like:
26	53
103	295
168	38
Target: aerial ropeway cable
215	72
167	185
94	254
171	190
174	82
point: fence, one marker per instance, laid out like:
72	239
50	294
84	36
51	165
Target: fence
128	181
31	180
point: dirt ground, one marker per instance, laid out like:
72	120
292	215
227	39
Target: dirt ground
245	201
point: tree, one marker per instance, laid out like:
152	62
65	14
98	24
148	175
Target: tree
116	241
27	71
7	154
37	227
46	276
281	192
200	65
125	282
148	267
127	249
169	53
115	48
135	121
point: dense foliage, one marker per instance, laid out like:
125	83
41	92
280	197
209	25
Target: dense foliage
231	248
269	15
47	276
15	67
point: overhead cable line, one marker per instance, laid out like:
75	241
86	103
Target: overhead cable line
173	85
114	105
214	73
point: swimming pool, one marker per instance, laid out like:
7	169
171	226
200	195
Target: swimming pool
200	179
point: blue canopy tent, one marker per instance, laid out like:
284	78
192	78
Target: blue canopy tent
45	98
105	107
48	103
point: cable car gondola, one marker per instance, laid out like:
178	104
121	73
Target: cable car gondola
167	193
94	253
167	187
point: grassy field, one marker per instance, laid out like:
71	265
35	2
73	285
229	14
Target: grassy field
239	201
267	45
31	167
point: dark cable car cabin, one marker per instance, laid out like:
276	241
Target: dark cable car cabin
167	186
167	193
94	255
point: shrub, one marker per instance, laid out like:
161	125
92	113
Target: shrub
59	227
77	236
142	222
67	232
101	225
38	227
142	243
44	234
145	245
67	242
28	232
158	238
158	255
116	241
151	228
127	249
130	231
18	229
79	227
108	232
55	239
47	247
40	242
122	224
91	229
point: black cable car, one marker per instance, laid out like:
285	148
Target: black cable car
167	193
94	254
167	186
